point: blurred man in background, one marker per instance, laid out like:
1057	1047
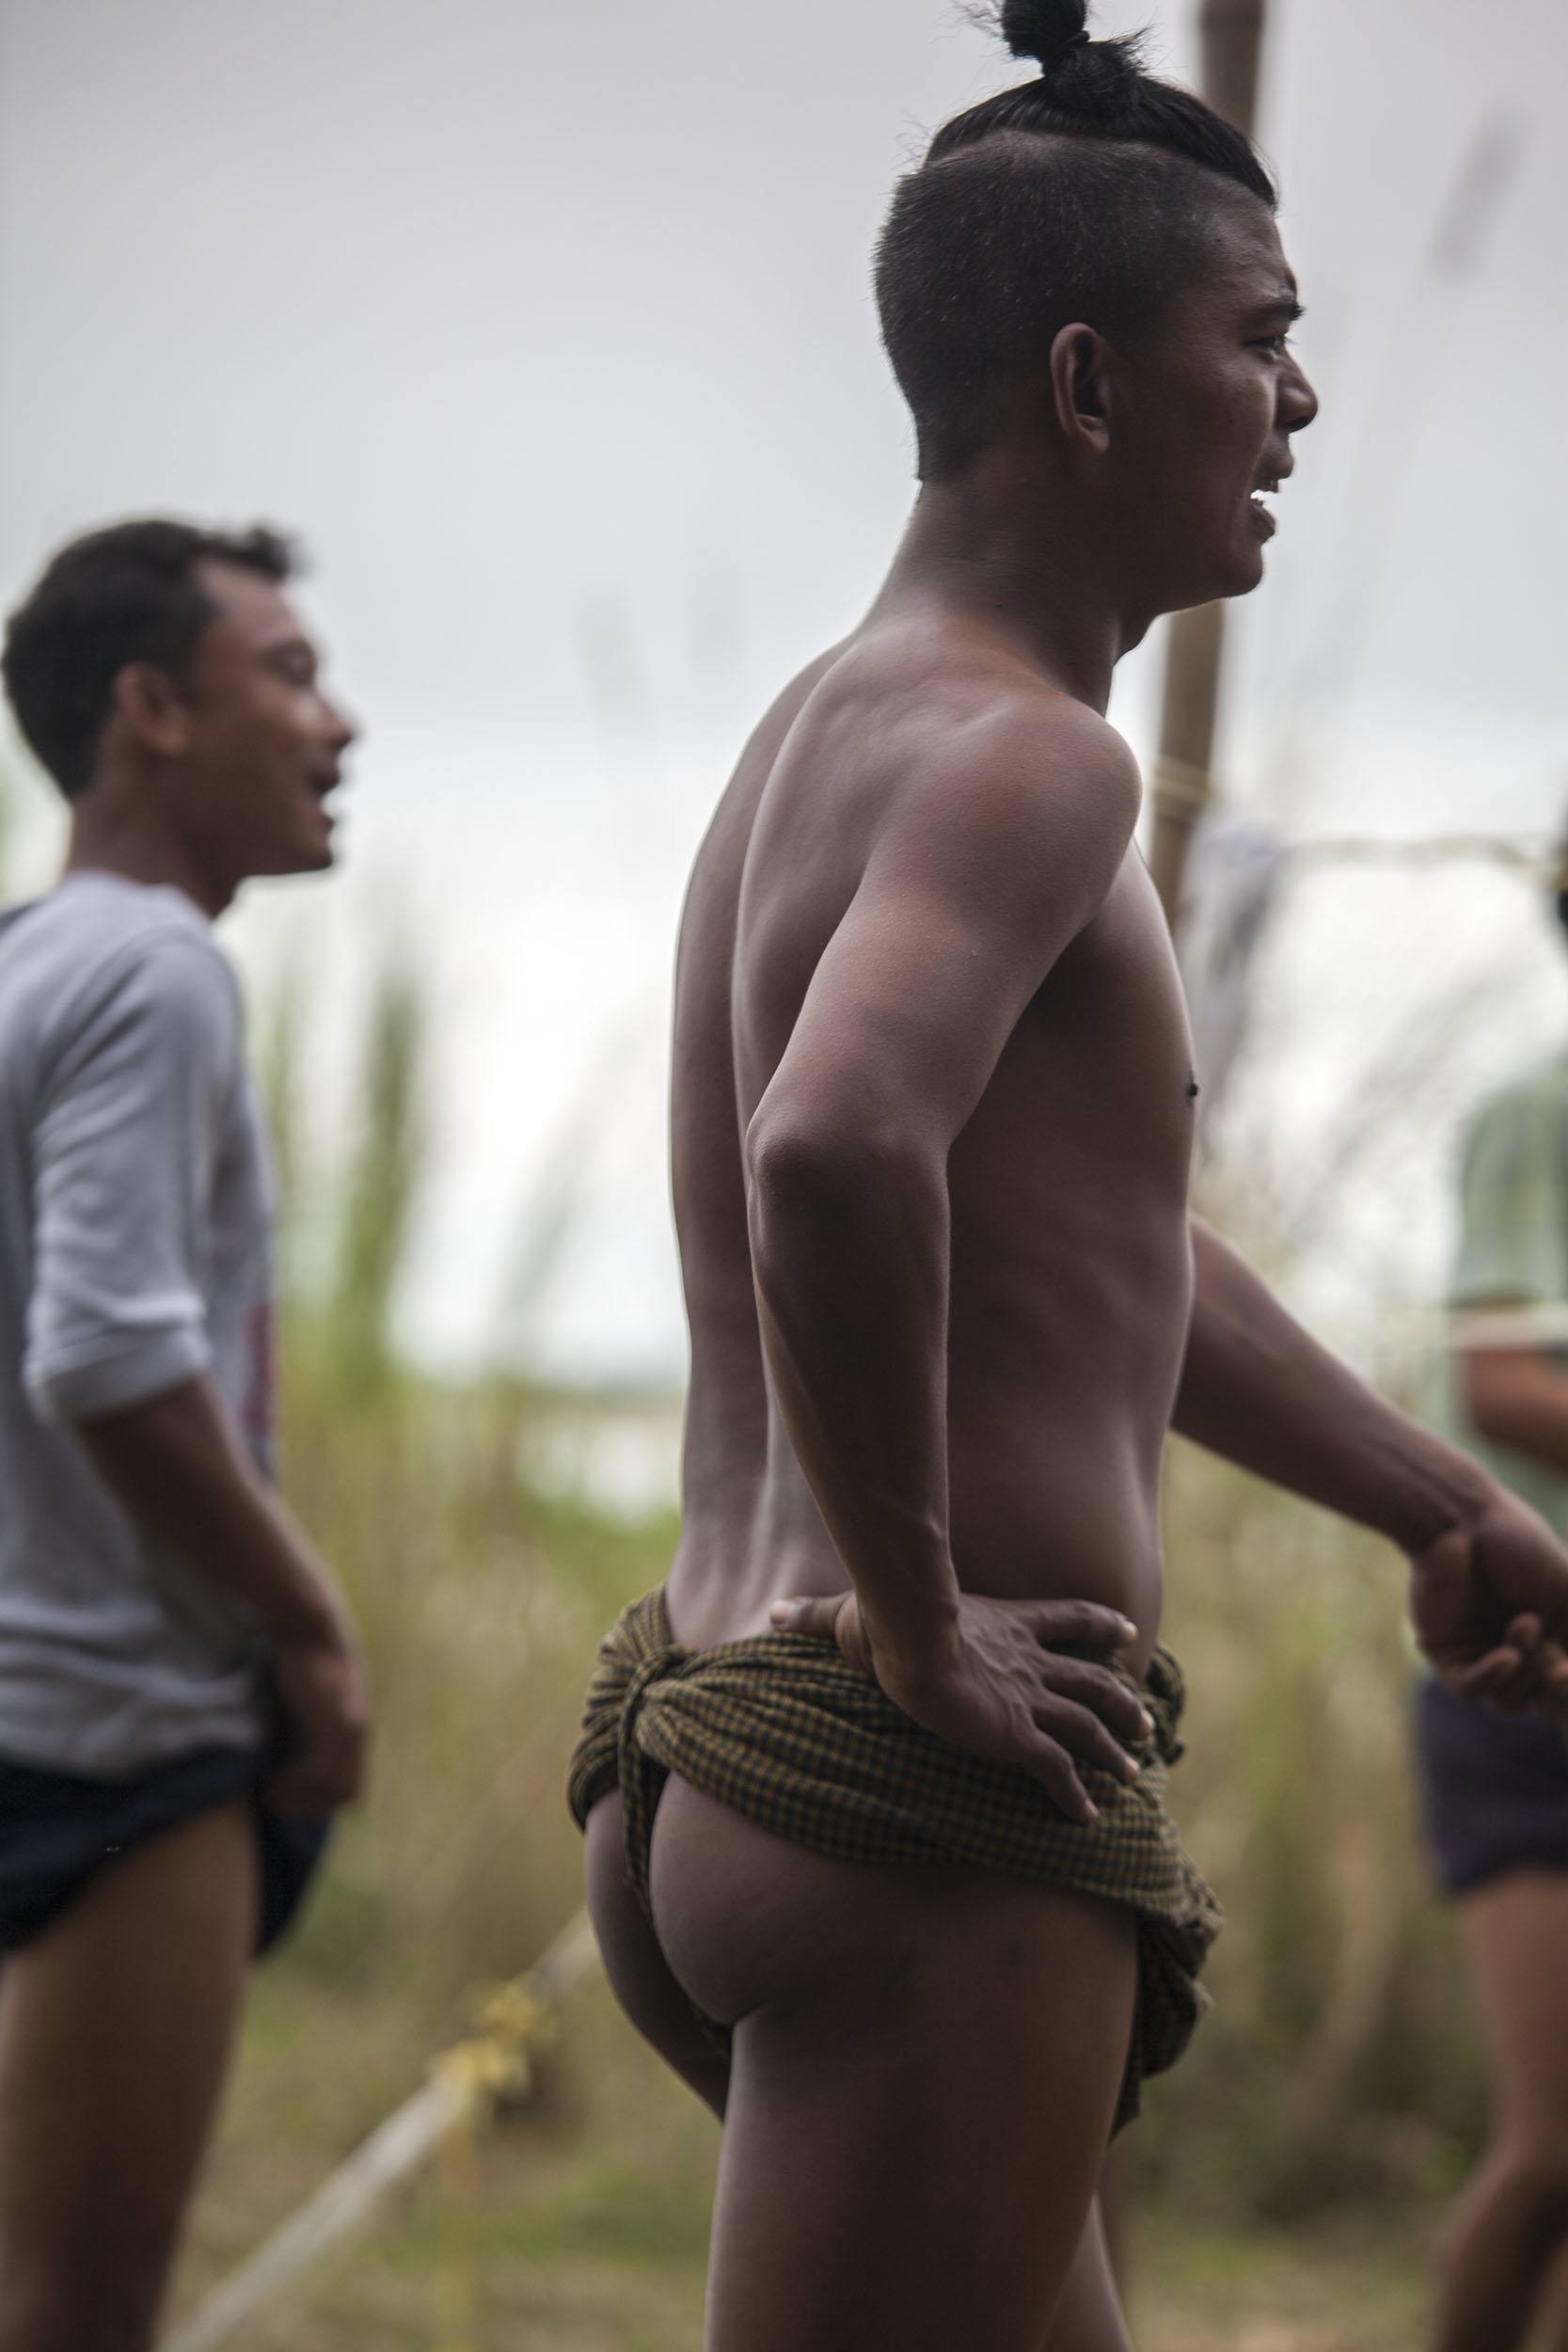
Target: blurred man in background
181	1698
1495	1786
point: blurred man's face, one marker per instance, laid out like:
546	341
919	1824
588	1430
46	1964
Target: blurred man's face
1206	406
263	743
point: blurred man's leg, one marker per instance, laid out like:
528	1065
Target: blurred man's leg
116	2029
1511	2224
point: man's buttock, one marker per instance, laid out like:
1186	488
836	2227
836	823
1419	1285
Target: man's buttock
784	1730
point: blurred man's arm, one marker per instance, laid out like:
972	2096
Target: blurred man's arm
118	1354
1510	1271
177	1469
1518	1398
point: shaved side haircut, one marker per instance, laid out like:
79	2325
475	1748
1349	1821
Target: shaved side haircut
1083	195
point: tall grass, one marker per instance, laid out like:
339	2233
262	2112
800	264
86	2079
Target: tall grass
479	1598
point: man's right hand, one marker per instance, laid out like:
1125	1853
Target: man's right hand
322	1694
1000	1687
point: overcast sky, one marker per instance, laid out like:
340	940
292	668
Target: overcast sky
548	328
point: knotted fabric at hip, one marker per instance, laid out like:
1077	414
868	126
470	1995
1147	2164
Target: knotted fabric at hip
785	1731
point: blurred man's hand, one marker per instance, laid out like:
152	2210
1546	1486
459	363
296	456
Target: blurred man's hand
322	1691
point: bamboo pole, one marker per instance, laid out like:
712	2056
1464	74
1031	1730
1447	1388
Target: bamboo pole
1231	33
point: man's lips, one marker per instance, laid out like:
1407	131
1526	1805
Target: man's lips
1264	490
1265	485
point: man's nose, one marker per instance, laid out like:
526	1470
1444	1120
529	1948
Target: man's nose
1298	401
342	729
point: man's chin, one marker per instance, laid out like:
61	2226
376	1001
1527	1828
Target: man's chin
299	857
1241	573
1255	571
1237	577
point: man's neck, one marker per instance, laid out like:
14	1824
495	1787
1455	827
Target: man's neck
994	547
100	845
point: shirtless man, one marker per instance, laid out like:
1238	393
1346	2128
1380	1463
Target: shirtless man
932	1115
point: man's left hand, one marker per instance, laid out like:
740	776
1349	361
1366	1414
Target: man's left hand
1489	1602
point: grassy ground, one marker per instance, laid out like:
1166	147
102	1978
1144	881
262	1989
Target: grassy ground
582	2223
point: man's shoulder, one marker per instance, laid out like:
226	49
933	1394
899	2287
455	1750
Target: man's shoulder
96	945
94	917
962	722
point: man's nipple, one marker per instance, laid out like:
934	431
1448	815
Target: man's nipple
1192	1087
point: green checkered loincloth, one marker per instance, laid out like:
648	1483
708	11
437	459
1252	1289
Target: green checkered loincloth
785	1731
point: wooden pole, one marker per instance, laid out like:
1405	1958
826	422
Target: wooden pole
1231	33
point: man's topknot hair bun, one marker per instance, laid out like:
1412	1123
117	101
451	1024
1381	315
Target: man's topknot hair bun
1094	78
1099	89
1045	30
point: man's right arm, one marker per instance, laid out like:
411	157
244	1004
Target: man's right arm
117	1354
176	1468
987	866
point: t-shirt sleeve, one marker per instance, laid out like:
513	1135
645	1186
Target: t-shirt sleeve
1513	1206
126	1150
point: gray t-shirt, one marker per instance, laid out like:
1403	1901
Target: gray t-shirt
135	1252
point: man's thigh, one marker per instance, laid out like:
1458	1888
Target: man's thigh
116	2026
926	2069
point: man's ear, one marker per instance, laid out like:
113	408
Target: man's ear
1080	383
148	705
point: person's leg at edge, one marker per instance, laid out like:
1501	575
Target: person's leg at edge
1511	2226
926	2068
116	2028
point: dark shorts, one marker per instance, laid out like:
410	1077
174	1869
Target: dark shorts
1494	1790
56	1830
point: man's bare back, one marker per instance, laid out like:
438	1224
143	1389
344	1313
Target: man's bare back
1069	1299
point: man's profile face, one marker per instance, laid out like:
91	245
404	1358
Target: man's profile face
265	742
1207	404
